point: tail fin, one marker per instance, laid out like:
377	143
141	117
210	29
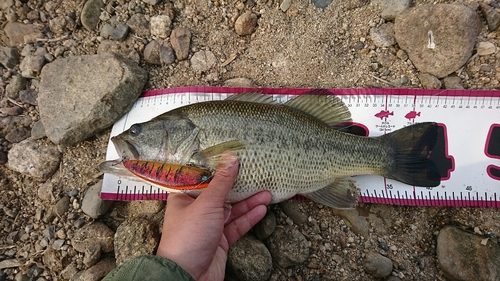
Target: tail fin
411	147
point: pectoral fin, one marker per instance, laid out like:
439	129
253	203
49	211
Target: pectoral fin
210	157
340	194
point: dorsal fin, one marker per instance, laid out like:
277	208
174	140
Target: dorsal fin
327	108
253	97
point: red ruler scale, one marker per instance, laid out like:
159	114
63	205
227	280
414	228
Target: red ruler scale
467	152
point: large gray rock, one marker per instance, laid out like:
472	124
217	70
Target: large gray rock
391	8
135	237
466	256
34	158
288	246
249	260
443	42
82	95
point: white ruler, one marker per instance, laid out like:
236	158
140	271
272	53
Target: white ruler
467	152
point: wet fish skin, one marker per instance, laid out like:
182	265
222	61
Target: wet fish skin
287	149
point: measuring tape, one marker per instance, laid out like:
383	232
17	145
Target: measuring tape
467	152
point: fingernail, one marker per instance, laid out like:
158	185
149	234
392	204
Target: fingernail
230	160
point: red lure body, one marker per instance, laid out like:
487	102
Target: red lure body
172	176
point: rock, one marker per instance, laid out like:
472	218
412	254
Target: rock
119	48
249	260
58	25
377	265
16	32
69	271
239	82
92	204
28	97
3	158
31	66
453	82
288	246
91	234
152	52
265	227
145	207
167	55
151	2
139	25
58	244
11	111
36	159
391	8
98	271
180	38
443	42
135	237
61	207
21	277
322	4
90	14
18	134
37	131
383	36
16	84
92	255
285	5
245	24
486	48
108	83
491	15
291	209
9	57
203	61
45	191
160	26
120	32
429	81
466	256
354	220
106	30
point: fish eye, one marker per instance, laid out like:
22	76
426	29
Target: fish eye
135	129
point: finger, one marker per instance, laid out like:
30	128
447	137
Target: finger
177	200
243	224
241	208
223	180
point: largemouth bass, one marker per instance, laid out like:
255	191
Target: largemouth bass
287	149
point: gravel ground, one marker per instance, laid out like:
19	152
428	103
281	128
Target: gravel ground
302	47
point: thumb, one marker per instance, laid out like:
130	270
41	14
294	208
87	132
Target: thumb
225	175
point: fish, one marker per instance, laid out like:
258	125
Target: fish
384	114
293	148
412	115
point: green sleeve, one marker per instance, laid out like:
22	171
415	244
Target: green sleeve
148	267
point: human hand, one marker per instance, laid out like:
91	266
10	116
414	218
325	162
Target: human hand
194	233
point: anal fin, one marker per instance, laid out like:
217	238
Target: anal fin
340	194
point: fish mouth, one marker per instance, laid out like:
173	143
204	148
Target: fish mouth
125	149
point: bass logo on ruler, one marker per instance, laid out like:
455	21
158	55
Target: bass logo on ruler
467	151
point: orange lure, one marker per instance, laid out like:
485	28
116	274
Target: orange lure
172	176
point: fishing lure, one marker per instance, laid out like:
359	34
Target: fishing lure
173	176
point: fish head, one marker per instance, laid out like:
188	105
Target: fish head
166	138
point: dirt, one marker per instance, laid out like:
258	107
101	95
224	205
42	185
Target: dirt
302	47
